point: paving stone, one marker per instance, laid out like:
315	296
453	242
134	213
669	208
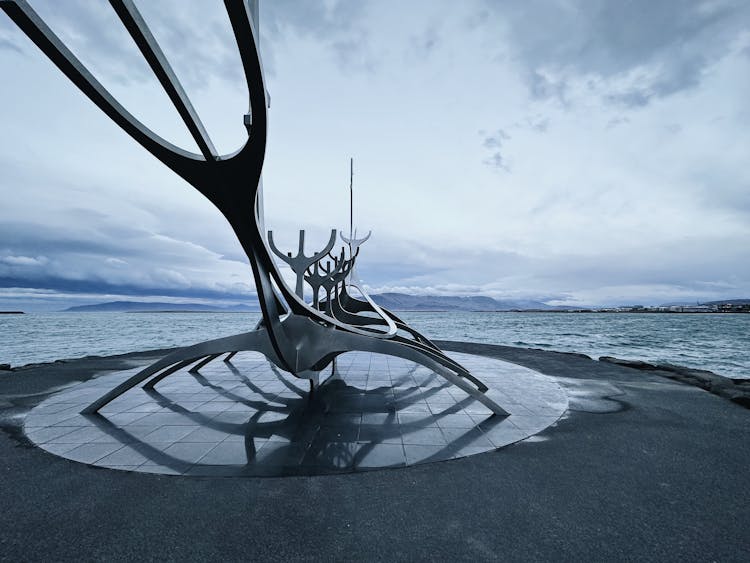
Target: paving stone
239	419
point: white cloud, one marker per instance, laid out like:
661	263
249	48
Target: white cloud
24	260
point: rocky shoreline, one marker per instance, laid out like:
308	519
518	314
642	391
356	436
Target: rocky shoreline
736	390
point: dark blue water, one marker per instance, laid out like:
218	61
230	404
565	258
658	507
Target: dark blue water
720	343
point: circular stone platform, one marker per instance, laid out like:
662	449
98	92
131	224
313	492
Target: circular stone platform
246	418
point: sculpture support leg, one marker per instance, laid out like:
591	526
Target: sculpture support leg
199	365
177	367
256	341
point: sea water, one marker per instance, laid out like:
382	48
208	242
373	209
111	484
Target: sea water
717	342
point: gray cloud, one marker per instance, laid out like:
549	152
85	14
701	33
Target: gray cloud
678	39
494	143
112	257
8	45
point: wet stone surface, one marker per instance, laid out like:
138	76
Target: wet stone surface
245	418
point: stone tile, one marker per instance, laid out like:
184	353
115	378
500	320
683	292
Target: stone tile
424	436
341	419
455	421
168	418
126	455
58	449
412	420
413	407
205	434
168	433
532	424
467	437
377	433
80	435
504	434
280	454
338	433
116	437
380	455
137	431
123	418
421	453
470	450
90	453
44	434
54	408
189	452
226	453
78	420
379	418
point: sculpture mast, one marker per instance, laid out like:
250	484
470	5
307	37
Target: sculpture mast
351	202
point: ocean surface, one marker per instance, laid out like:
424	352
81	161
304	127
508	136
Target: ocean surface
720	343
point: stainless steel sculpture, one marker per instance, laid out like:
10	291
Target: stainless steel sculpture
299	338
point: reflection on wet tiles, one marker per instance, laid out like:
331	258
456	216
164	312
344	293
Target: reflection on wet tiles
245	418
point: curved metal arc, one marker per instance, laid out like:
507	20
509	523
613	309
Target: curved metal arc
392	329
243	27
286	258
179	160
352	306
354	242
421	342
322	254
138	29
167	372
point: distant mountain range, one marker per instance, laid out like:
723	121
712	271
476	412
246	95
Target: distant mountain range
392	301
142	307
403	302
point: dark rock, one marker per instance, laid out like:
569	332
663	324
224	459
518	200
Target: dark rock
743	401
736	390
577	355
4	367
635	364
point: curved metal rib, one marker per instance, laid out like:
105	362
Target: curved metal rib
34	27
149	47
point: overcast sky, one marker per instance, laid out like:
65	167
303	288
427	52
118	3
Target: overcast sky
575	152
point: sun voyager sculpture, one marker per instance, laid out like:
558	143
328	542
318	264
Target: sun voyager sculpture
300	338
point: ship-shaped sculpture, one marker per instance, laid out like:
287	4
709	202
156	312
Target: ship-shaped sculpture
300	338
